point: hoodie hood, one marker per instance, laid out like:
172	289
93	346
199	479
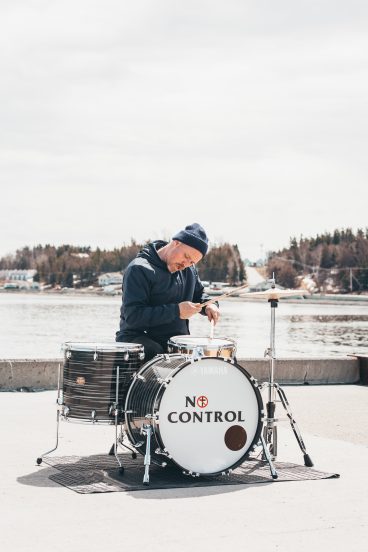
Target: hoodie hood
149	252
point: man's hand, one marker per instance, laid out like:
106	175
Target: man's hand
213	312
187	309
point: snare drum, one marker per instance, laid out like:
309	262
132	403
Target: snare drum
202	346
90	382
195	423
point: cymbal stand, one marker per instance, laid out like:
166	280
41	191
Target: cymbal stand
270	428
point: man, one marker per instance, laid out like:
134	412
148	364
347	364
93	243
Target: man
162	290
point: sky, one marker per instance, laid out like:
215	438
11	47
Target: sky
123	120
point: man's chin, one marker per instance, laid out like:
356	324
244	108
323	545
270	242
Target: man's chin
173	268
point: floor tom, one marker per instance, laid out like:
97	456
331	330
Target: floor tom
90	382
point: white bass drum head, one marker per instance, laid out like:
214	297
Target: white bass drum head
209	415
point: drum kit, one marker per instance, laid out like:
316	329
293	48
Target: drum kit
195	407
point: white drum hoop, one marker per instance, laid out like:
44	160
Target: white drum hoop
202	346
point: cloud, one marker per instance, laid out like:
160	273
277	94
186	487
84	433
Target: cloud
233	113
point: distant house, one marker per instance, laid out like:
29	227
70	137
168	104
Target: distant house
110	278
15	275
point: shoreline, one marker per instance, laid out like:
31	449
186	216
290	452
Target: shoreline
346	299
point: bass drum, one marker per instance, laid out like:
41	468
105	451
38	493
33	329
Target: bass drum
206	414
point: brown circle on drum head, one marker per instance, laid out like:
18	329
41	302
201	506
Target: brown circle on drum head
235	437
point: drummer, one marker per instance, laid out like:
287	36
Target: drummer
162	291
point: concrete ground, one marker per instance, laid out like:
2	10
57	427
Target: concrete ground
328	515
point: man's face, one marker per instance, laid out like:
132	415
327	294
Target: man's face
181	256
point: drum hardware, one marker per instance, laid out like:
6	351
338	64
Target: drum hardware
116	412
162	452
122	442
58	409
146	430
197	353
269	437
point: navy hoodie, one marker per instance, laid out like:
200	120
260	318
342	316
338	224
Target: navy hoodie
151	296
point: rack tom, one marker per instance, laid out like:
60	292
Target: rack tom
91	388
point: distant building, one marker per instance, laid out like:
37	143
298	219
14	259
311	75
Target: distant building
15	275
80	255
110	278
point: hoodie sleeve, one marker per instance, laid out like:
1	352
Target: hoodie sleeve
138	313
199	295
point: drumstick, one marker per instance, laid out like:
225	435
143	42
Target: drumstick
212	328
219	297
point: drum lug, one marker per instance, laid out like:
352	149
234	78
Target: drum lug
93	416
139	376
198	352
153	417
162	452
113	409
163	381
66	411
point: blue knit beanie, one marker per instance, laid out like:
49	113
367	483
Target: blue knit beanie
194	236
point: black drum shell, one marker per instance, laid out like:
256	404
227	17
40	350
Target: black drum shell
89	382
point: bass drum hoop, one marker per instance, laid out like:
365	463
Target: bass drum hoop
156	408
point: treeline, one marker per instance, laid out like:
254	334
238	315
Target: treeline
338	259
223	264
69	265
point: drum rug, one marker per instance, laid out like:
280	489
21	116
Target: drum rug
100	474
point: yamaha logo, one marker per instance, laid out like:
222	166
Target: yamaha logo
202	416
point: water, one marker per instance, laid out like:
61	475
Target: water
35	326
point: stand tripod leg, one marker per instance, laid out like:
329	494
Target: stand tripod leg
123	445
307	459
268	458
116	414
270	430
270	437
40	458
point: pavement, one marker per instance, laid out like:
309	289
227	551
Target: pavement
328	515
